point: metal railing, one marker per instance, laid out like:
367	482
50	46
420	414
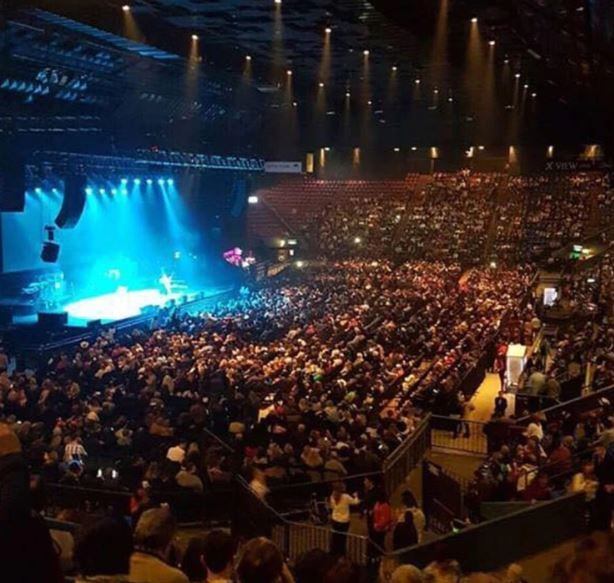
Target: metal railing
407	456
459	435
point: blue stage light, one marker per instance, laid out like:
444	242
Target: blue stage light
149	181
170	181
161	181
38	190
54	190
102	191
137	181
124	181
89	190
114	191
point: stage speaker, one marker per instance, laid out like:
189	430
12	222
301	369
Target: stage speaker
12	183
50	252
52	320
73	202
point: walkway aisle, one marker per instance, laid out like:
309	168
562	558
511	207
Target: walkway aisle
484	399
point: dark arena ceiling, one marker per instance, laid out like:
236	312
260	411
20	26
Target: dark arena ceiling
528	72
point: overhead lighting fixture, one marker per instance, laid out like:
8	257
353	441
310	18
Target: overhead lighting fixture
394	68
491	43
480	148
397	149
450	100
252	199
194	37
369	102
126	8
474	20
417	81
327	149
328	30
137	181
414	148
517	75
365	52
435	91
347	93
320	84
526	85
289	72
533	94
277	1
294	104
248	57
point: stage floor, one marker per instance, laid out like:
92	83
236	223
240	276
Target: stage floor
120	305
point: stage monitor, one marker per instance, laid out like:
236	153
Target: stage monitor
73	202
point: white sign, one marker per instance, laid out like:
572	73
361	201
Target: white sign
283	167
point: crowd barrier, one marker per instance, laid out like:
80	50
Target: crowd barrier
407	456
495	543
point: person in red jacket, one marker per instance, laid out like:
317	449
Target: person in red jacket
382	520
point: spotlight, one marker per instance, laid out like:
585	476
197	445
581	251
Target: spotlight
126	8
357	240
347	93
517	75
38	190
533	94
526	85
114	191
328	30
277	1
102	191
89	190
493	265
294	104
289	73
248	57
414	148
394	68
160	181
450	100
506	61
149	181
480	148
137	181
417	81
300	264
491	43
252	199
194	37
369	102
365	52
327	149
436	91
125	181
170	181
474	20
54	190
397	149
320	84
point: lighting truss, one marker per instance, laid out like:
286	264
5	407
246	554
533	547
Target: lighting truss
143	161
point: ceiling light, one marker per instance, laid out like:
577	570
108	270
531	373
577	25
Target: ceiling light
474	20
277	1
450	99
517	75
394	68
491	43
417	81
526	85
248	57
320	84
194	37
414	148
289	73
328	30
365	52
327	149
126	8
369	102
347	94
480	147
533	94
397	149
435	91
294	104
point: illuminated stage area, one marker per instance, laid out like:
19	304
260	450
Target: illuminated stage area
118	305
